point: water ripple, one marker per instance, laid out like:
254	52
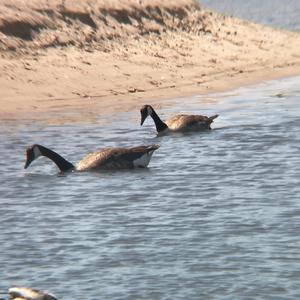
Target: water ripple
215	216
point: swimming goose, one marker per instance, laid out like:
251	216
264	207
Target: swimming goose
23	293
178	123
109	158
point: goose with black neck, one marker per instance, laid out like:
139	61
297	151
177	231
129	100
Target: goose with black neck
104	159
179	123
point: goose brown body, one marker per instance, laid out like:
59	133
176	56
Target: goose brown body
189	122
117	158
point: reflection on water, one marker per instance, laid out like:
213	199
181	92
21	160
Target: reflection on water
216	215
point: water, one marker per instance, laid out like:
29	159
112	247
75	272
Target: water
275	13
215	216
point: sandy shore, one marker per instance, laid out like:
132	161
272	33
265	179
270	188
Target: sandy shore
71	60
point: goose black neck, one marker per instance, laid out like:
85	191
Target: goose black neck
62	163
160	125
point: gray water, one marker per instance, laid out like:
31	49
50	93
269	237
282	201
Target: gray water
215	216
275	13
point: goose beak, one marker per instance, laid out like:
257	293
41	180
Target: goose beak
27	163
29	158
144	115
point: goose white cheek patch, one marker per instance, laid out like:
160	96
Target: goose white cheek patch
149	110
36	152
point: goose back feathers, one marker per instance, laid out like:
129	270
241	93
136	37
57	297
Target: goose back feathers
109	158
178	123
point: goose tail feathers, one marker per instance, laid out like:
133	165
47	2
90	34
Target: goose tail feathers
153	147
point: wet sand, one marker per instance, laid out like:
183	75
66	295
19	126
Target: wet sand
71	60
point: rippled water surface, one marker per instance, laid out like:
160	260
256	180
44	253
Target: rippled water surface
215	216
276	13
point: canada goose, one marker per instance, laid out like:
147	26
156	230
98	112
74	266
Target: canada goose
24	293
178	123
109	158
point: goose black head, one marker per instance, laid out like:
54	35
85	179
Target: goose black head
32	153
146	111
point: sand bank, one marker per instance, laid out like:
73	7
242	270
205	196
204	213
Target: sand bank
77	59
